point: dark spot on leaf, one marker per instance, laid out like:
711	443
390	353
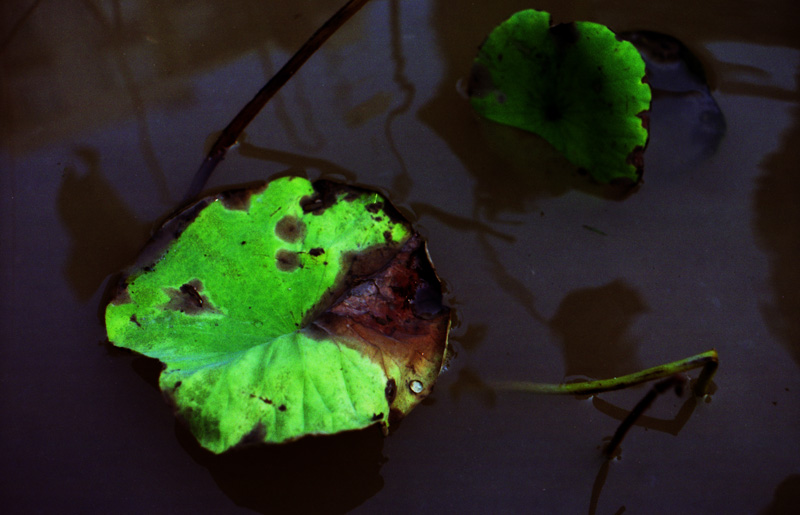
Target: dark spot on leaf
262	399
645	117
187	299
395	416
387	235
377	416
244	242
316	251
480	81
375	207
239	199
254	437
427	302
370	261
123	296
134	320
282	407
287	261
326	193
290	229
636	158
564	34
552	112
391	390
312	204
178	384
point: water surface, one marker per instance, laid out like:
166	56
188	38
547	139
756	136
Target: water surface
107	108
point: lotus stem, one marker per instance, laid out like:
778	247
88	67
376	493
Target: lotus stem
707	360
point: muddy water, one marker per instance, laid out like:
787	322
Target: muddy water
106	111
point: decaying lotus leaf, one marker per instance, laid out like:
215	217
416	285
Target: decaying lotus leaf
286	310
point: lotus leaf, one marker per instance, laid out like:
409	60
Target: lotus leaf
574	84
286	309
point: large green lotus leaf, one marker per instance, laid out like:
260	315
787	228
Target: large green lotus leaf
574	84
284	310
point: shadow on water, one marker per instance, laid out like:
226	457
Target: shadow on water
786	499
777	217
105	234
514	168
671	426
328	169
316	474
327	474
593	325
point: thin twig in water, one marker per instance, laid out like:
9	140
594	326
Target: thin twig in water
676	382
249	111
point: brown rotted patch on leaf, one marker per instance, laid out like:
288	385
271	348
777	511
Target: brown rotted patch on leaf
480	81
327	193
636	157
290	229
121	295
564	35
239	199
396	317
287	261
187	299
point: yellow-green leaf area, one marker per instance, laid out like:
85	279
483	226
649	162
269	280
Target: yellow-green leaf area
574	84
229	304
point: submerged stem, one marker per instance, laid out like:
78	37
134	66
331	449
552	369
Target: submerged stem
234	129
708	360
675	382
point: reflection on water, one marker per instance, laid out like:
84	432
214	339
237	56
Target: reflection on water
402	183
99	84
71	67
682	100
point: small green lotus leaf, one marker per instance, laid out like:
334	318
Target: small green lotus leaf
285	310
574	84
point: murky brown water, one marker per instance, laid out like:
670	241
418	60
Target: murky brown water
106	111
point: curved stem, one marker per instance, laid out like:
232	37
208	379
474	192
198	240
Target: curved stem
708	361
675	382
234	129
